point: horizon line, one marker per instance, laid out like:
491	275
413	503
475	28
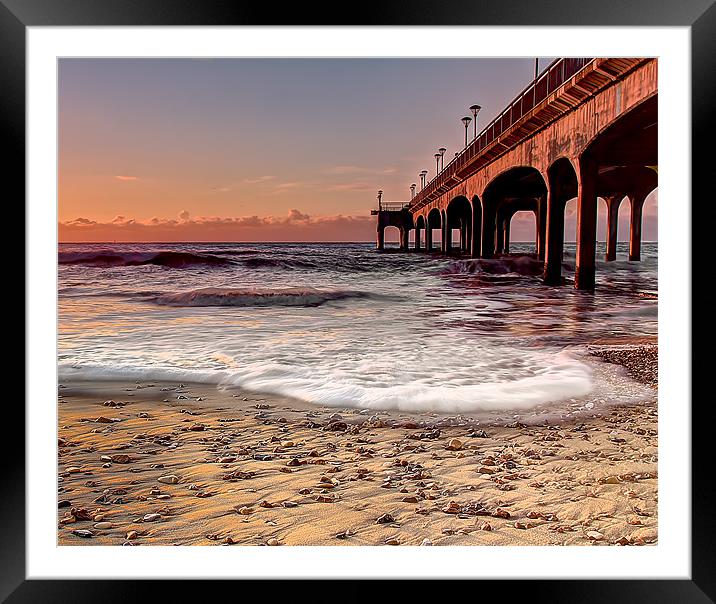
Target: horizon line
277	242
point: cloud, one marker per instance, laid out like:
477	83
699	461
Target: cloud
295	225
297	216
80	222
285	187
351	186
252	181
122	221
221	189
126	178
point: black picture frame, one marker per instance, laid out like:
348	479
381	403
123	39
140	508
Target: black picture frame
699	15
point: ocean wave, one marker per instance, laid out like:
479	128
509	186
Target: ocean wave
168	259
292	296
524	265
249	258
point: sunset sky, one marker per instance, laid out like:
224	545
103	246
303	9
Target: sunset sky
264	149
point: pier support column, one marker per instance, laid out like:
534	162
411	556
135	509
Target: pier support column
506	234
475	230
380	242
613	203
541	222
404	238
637	211
554	239
429	238
489	220
447	238
584	273
417	239
500	234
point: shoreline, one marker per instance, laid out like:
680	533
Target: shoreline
159	464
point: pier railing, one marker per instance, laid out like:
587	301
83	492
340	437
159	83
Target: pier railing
556	74
392	206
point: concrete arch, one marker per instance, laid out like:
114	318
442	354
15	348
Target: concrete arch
563	185
625	211
612	204
393	233
508	190
506	209
433	221
459	216
419	228
630	139
507	225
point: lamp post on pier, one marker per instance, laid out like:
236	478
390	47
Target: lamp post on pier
441	151
466	121
437	163
423	174
380	200
412	190
475	110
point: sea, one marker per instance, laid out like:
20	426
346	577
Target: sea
346	326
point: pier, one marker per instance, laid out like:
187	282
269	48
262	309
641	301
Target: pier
585	129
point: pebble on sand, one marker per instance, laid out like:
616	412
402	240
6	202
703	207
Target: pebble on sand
169	479
455	444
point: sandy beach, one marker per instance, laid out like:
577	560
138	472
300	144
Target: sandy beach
187	464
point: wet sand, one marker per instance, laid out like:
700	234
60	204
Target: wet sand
169	464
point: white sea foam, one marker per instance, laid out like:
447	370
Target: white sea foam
564	378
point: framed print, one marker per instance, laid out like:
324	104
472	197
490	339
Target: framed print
382	299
